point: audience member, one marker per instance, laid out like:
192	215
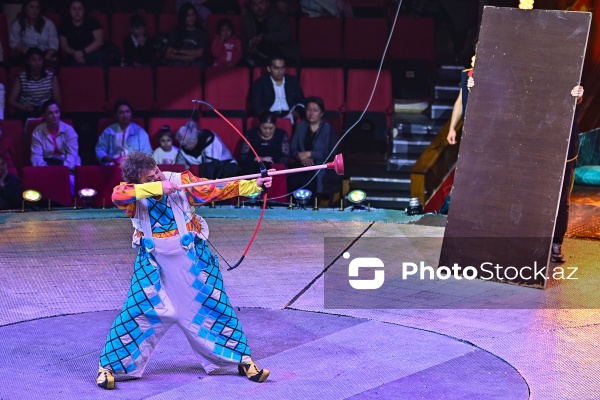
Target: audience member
266	32
2	101
188	42
201	7
34	86
226	48
54	142
82	37
278	92
312	142
122	137
138	48
289	7
327	8
270	142
166	153
7	151
204	147
10	188
32	30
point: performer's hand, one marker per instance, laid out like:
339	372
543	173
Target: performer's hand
470	82
451	138
169	187
266	182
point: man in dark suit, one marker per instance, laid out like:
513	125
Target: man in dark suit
278	92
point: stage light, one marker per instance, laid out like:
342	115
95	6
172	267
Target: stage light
414	206
32	196
357	198
253	198
87	194
526	4
302	196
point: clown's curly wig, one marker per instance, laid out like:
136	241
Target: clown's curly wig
134	164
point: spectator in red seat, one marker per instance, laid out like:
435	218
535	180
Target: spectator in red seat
266	32
122	137
205	148
278	92
7	151
270	142
82	37
226	48
34	86
138	48
166	153
188	42
10	187
32	30
312	142
54	142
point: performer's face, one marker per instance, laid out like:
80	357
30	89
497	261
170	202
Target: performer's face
152	175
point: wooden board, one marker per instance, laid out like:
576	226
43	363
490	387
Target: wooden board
515	139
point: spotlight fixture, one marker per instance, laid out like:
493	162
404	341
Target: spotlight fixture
357	198
526	4
253	198
302	196
30	196
414	206
87	194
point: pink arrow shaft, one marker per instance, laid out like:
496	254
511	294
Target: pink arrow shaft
254	176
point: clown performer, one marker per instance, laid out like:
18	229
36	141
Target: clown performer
176	279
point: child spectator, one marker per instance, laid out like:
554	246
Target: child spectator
82	37
138	47
226	48
166	153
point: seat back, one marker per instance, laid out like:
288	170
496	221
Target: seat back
327	83
53	183
176	87
83	89
227	88
413	38
320	38
13	130
102	178
365	38
359	88
134	84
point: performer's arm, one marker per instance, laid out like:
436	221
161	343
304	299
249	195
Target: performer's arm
203	194
126	194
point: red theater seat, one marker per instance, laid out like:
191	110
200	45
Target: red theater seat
167	22
53	182
82	89
413	38
13	130
327	83
102	178
227	88
365	38
176	87
360	86
134	84
320	38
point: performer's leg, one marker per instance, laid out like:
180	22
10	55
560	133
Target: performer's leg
562	219
210	323
144	319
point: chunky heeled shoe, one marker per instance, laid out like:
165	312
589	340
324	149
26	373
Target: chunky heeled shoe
252	372
105	379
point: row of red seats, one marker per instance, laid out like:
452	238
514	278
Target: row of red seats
84	88
54	182
318	38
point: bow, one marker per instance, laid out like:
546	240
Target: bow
263	173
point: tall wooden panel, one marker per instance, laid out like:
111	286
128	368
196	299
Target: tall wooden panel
515	139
